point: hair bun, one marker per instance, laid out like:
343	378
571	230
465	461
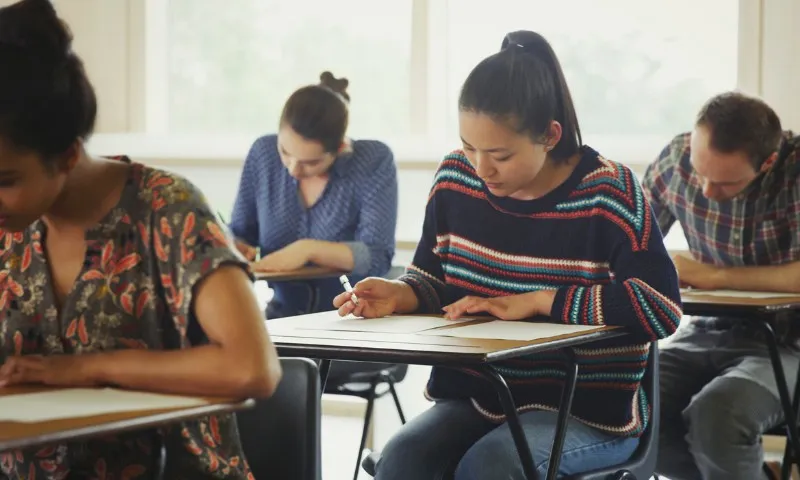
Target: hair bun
338	85
35	26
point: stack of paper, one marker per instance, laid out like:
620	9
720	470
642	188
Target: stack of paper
501	330
85	402
392	324
736	293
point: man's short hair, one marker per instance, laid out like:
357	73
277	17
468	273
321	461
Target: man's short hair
740	123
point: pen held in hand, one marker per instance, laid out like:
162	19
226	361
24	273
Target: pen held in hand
348	288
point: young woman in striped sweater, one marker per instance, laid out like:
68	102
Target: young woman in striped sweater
525	221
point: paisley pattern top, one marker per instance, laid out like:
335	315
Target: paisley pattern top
135	289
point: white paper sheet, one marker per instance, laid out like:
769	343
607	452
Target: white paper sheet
391	324
737	293
502	330
85	402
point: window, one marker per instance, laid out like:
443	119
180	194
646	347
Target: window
635	69
231	68
638	72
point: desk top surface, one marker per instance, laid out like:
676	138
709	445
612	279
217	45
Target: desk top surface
422	349
305	273
15	435
700	302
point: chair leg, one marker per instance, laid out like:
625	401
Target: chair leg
367	418
396	399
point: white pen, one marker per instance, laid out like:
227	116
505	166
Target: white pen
348	288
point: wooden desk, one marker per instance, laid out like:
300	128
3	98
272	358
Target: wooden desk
479	354
702	304
15	435
762	312
418	349
306	273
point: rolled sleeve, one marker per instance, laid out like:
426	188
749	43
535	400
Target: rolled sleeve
362	258
374	243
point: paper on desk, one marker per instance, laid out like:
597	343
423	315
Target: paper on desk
737	293
502	330
85	402
390	324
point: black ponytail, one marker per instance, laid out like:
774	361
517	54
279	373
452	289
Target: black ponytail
525	86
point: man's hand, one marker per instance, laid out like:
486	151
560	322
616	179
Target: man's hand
61	370
692	273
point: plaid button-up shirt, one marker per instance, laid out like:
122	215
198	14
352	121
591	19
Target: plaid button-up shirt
760	226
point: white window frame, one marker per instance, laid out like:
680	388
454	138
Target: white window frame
148	138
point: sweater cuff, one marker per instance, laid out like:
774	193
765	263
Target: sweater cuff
426	295
578	305
362	258
559	311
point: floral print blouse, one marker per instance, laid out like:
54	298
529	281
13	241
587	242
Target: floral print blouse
134	291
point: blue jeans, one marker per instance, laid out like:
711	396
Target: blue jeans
718	397
452	440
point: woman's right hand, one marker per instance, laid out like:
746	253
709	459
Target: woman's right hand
377	297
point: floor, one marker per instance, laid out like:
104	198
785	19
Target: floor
341	434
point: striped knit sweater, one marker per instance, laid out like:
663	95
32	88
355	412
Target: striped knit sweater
593	239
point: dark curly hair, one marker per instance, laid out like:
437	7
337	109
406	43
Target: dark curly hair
46	99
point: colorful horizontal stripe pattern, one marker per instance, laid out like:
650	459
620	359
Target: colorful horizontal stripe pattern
594	245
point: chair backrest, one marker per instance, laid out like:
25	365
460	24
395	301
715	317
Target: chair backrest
643	462
281	435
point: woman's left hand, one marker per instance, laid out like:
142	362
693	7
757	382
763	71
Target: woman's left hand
291	257
512	307
62	370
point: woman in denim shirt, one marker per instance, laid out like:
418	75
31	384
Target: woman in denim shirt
310	195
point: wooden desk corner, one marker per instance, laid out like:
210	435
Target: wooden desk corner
15	435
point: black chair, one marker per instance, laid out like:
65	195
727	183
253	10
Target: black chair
281	435
641	465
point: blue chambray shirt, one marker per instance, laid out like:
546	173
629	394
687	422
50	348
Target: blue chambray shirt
358	207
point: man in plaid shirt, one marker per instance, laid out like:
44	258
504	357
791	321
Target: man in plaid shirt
733	183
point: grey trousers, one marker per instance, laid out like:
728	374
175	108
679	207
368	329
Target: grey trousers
718	395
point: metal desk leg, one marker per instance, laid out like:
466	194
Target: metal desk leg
783	390
567	394
324	368
515	426
504	394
